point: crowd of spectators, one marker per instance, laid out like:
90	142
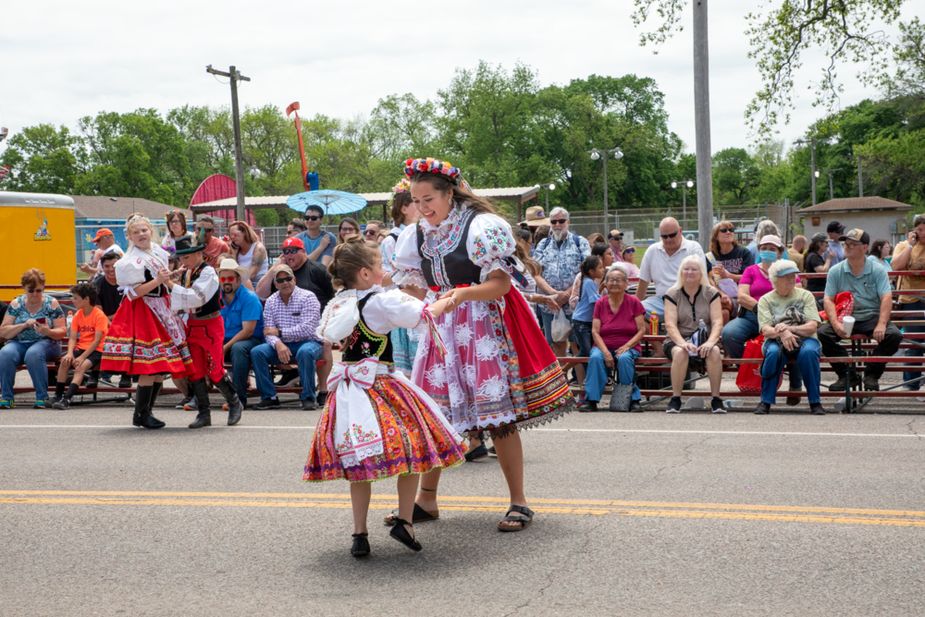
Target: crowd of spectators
591	300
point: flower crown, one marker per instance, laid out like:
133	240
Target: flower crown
403	186
432	166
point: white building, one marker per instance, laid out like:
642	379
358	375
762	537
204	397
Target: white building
881	218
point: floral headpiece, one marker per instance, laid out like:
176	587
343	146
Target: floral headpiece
403	186
432	166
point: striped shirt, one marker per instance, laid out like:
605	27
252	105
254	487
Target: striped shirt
296	320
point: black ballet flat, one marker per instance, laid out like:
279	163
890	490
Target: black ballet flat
401	534
360	546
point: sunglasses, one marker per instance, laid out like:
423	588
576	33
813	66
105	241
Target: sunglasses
284	279
559	221
313	218
291	251
629	250
206	229
227	279
726	230
371	232
617	237
668	236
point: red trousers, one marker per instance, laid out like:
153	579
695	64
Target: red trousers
205	338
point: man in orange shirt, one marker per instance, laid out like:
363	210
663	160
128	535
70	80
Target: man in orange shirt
215	246
84	344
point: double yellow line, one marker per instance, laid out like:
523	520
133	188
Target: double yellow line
451	503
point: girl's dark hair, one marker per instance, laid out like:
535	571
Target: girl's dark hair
351	256
175	214
85	290
814	245
461	193
299	223
399	201
877	247
590	263
599	248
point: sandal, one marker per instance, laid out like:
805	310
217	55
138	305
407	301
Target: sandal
418	515
516	518
360	546
400	533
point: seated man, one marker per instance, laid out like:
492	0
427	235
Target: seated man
243	316
290	318
661	262
788	319
868	283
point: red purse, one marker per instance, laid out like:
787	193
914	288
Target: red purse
844	305
749	378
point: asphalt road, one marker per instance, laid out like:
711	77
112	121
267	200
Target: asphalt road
637	514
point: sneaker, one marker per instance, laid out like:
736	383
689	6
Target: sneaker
268	403
61	403
842	382
40	404
287	378
479	451
816	409
186	404
321	398
635	406
762	409
588	406
309	404
6	403
871	383
716	405
793	401
674	405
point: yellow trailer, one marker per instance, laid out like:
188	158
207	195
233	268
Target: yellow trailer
36	231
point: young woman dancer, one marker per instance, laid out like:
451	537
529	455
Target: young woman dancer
377	424
145	337
494	377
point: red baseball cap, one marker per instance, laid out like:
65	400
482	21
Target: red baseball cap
102	233
293	243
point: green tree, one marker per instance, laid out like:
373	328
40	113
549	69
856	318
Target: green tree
735	176
42	160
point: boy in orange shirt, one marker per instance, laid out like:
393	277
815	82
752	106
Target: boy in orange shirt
84	345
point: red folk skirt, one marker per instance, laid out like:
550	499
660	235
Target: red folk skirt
139	344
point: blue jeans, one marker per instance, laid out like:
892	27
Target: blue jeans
775	357
743	329
36	355
655	304
581	334
305	353
918	305
240	356
596	377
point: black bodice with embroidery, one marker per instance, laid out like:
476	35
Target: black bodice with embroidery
364	343
448	264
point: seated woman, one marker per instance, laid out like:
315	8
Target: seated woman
818	260
33	325
84	345
693	321
727	262
617	328
788	319
756	282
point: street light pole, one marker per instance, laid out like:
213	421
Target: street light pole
596	154
684	186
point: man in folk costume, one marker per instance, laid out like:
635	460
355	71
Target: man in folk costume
199	295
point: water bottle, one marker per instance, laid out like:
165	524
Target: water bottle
70	318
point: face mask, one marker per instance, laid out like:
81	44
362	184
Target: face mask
767	256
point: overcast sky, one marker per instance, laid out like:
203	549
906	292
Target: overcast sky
64	60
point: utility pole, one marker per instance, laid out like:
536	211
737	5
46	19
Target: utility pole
831	191
702	124
812	168
860	179
235	76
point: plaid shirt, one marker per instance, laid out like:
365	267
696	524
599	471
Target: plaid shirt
297	320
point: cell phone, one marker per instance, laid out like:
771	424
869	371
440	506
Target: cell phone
40	320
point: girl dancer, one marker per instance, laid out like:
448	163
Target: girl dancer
145	337
494	376
378	424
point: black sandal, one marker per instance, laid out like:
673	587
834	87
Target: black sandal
360	546
418	515
521	515
401	534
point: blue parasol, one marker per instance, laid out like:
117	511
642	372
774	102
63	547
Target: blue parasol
332	202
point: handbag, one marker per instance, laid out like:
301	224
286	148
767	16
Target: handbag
621	397
844	305
748	379
561	327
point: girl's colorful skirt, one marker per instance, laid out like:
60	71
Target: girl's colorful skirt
499	374
145	338
410	433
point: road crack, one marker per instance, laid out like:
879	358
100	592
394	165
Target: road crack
688	458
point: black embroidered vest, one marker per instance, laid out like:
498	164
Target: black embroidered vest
364	343
213	304
448	264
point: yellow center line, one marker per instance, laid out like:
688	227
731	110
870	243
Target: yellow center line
456	503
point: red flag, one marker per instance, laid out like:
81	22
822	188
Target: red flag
294	108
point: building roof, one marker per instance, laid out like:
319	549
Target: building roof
105	207
520	194
853	204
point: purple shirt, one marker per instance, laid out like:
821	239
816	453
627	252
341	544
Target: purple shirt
758	282
297	320
618	328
